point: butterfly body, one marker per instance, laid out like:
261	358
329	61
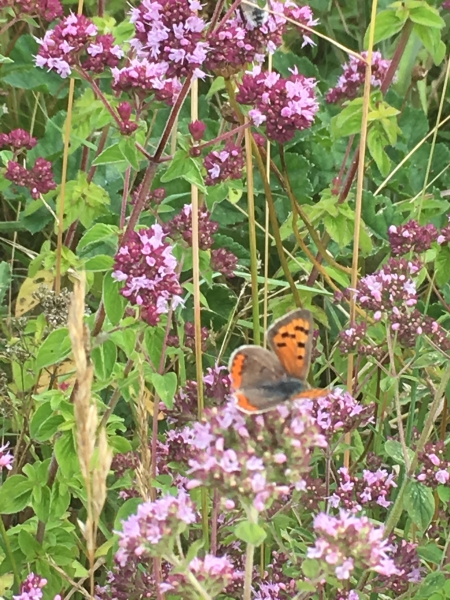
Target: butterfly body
261	378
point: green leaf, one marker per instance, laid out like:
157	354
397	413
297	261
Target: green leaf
310	568
104	358
128	508
97	233
84	201
109	156
348	121
250	533
5	279
431	553
44	423
443	493
113	301
431	39
387	24
179	166
129	151
339	228
441	264
419	503
217	85
433	582
15	494
165	387
99	263
426	15
54	349
60	500
30	547
66	454
41	503
376	142
395	451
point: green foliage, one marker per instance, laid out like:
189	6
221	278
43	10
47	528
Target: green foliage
74	396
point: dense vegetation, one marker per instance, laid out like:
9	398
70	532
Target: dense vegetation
174	178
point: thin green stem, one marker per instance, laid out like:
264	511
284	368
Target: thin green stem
397	509
10	554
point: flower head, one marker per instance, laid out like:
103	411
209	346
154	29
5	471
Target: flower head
347	542
31	588
352	78
284	106
154	527
242	456
147	267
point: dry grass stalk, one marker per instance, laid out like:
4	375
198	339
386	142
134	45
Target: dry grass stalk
95	471
143	470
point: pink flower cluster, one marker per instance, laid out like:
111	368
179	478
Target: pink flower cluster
75	43
372	488
146	265
348	542
444	234
237	42
155	526
222	260
216	388
171	33
353	76
214	574
339	411
189	337
411	237
38	180
391	293
6	458
254	460
224	164
31	588
285	106
17	139
181	225
407	564
434	470
47	10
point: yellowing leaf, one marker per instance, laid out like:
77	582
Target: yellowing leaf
65	373
150	405
25	300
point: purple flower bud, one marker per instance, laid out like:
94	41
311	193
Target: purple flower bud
197	130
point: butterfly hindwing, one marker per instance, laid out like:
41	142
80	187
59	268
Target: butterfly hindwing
291	339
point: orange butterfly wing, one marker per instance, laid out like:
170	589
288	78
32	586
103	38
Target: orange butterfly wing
291	339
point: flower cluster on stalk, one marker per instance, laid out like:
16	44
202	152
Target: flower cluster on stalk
391	294
47	10
145	264
38	180
372	488
348	542
31	588
256	459
75	42
354	72
283	105
224	164
434	469
411	237
222	260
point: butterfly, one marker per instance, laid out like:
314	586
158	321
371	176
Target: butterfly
261	378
